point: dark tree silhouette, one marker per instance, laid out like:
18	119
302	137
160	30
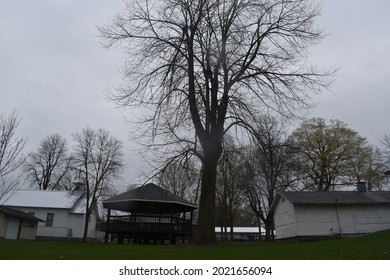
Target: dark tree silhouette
11	147
202	67
48	166
99	159
268	169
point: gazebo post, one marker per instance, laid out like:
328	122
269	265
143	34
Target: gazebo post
135	223
107	225
191	217
171	228
183	227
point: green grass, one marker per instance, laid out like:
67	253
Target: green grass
373	246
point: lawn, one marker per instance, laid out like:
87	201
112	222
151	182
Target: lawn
374	246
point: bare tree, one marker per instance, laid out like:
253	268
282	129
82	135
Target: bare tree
180	177
267	170
230	182
381	165
49	165
202	67
377	168
11	147
99	159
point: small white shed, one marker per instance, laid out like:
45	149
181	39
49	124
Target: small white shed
16	224
319	214
63	212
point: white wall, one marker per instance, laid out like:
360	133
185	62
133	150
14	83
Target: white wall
284	219
76	223
318	220
315	220
63	221
364	219
12	228
28	233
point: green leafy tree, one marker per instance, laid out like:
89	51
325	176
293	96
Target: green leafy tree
327	156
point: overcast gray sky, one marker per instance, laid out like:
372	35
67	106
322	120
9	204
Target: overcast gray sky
54	72
359	45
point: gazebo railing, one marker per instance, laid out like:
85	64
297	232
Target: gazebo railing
147	223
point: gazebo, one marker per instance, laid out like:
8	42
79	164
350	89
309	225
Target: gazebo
153	215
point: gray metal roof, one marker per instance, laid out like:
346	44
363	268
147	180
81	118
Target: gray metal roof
342	197
43	199
149	198
333	198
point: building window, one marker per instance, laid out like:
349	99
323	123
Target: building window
49	219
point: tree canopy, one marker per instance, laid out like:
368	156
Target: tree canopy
49	165
328	155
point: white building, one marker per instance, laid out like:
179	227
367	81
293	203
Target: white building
318	214
16	224
62	211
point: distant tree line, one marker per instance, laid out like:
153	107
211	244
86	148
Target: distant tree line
316	156
95	161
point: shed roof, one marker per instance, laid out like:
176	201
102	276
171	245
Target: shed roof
149	198
18	214
337	197
43	199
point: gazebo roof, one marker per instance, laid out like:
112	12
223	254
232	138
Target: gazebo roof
149	198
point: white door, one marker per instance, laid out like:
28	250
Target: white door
12	228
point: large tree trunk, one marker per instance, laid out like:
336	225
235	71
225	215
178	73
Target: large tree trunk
268	228
86	224
85	235
206	219
86	218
